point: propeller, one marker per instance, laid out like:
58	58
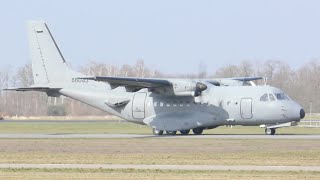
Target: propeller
199	88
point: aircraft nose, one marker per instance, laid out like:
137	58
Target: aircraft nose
302	114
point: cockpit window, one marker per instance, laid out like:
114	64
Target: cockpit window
271	97
264	98
281	96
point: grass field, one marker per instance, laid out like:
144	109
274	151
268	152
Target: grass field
128	128
150	174
158	151
153	151
314	116
161	151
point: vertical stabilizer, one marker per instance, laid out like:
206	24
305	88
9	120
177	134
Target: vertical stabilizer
48	64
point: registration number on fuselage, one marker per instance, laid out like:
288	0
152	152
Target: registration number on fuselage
77	80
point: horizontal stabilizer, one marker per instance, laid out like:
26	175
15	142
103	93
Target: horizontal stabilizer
42	89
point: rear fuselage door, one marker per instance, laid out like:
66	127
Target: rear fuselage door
138	105
246	108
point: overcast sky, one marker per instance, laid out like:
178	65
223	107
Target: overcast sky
171	36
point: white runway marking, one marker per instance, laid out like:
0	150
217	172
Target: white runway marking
119	136
163	167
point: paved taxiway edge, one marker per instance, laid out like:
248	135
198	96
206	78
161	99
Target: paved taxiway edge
163	167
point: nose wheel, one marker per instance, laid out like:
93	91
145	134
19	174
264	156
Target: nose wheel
157	132
270	131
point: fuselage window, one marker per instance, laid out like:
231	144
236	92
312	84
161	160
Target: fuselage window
168	103
155	104
161	104
188	103
271	97
264	98
181	103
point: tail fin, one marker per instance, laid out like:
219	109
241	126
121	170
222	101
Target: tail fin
50	71
48	64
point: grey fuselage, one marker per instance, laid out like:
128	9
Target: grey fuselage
218	105
163	104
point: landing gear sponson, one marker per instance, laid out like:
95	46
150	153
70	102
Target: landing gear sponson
196	131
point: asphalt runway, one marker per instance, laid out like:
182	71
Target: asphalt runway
122	136
93	121
60	121
163	167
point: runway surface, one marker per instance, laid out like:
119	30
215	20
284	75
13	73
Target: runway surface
90	121
121	136
60	121
163	167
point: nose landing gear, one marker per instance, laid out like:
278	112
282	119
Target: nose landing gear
157	132
271	128
270	131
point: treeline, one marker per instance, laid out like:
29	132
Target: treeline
302	84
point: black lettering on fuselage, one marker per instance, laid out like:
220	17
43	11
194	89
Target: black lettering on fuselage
77	80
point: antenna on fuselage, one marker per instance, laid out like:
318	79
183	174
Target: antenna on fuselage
265	79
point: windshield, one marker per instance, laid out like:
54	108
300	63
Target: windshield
271	97
281	96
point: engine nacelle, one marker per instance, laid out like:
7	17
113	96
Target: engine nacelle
184	88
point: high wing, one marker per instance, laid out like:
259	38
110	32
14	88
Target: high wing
127	81
154	82
177	87
244	79
237	81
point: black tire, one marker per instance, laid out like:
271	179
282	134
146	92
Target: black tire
197	131
185	132
157	132
171	132
270	131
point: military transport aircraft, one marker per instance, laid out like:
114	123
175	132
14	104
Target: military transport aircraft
168	105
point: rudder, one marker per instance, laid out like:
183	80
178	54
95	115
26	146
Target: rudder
48	64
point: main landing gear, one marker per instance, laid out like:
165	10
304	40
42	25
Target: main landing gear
196	131
171	132
185	132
